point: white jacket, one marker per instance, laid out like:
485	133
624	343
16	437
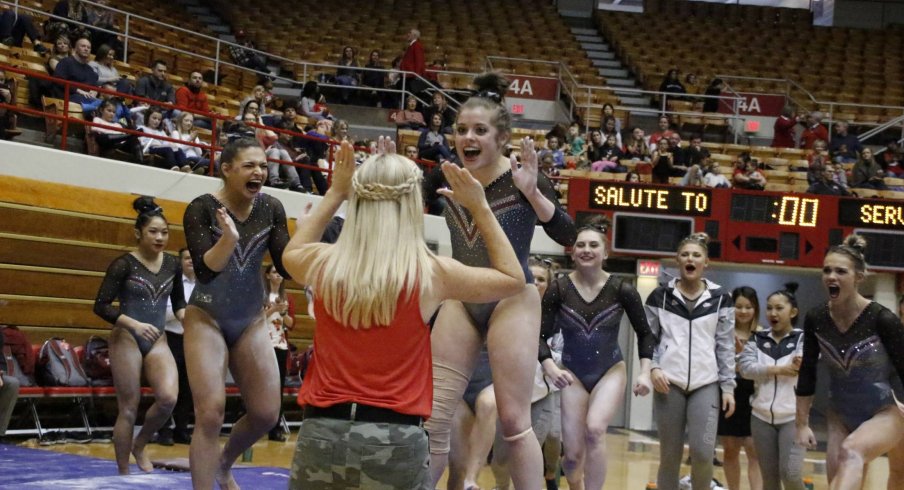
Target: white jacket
774	401
695	348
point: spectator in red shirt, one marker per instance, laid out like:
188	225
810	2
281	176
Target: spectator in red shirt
783	130
814	131
664	131
192	97
413	59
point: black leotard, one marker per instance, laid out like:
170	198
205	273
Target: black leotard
142	294
234	297
590	329
517	218
865	363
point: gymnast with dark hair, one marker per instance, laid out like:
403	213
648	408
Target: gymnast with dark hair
862	344
519	198
587	306
142	281
228	233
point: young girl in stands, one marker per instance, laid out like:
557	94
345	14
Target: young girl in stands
609	154
280	314
432	144
141	281
356	386
520	198
587	306
170	156
734	432
228	233
862	344
610	128
185	131
694	320
637	148
771	358
107	136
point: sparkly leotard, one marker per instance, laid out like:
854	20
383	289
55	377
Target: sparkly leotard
517	218
142	294
234	297
590	329
865	363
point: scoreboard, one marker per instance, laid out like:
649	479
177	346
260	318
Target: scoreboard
744	226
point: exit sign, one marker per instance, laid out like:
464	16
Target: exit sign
517	108
648	268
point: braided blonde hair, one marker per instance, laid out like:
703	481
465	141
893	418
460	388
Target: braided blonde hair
381	254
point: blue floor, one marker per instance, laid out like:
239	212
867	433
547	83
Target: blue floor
22	467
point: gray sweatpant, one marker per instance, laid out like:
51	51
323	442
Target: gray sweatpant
698	411
9	392
780	458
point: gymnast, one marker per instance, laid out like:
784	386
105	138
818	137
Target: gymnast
142	281
228	233
369	388
587	306
510	328
862	344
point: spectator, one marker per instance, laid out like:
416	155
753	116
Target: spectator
413	59
609	111
671	84
244	53
554	147
845	147
839	175
704	172
191	97
632	177
609	128
395	73
440	107
714	89
637	148
347	74
15	26
432	144
664	131
691	83
170	156
440	63
813	131
747	174
826	184
242	128
9	390
892	160
310	96
258	97
411	152
664	162
783	129
108	136
75	68
696	152
867	174
8	128
154	85
577	145
280	174
61	50
316	148
595	146
410	117
194	155
289	123
100	17
375	79
609	155
92	108
682	155
106	72
340	131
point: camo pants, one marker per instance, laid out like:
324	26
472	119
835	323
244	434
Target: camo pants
342	454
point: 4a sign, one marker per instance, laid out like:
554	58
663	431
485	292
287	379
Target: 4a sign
537	88
766	105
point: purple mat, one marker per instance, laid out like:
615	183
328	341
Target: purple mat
22	467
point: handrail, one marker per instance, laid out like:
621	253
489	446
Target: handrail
878	129
219	43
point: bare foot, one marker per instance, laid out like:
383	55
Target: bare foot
225	479
142	459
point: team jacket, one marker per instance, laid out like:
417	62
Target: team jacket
695	348
774	401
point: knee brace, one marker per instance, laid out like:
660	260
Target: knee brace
448	386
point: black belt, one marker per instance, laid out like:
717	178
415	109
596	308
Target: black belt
362	413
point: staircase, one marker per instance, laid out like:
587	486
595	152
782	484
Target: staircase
604	59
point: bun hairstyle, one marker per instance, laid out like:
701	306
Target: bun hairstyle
489	94
599	224
854	247
147	209
701	239
788	292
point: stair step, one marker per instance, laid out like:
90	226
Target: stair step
600	55
210	20
584	31
620	82
596	46
634	101
592	38
197	10
225	32
606	63
614	73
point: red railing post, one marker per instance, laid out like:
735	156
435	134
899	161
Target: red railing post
64	132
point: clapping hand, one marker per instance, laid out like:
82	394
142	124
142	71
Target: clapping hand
525	175
465	189
226	224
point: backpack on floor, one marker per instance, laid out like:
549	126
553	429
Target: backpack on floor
20	348
58	365
97	361
10	367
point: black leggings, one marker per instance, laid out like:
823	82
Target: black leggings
281	356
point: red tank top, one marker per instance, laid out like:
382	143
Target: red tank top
385	366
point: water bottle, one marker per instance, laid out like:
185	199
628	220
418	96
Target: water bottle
652	486
808	483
